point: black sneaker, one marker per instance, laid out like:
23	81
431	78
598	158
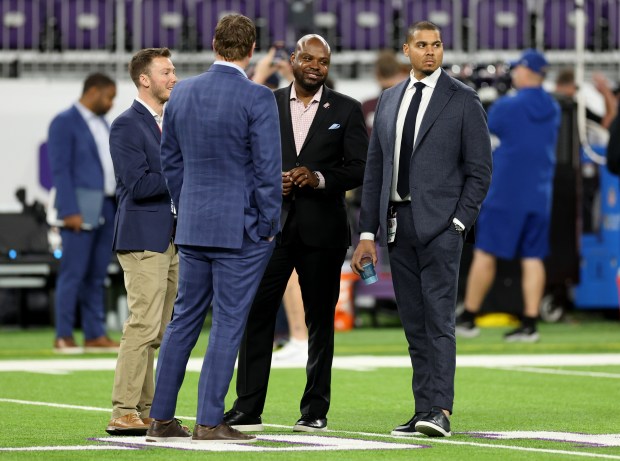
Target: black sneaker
523	334
408	429
309	424
466	328
243	422
434	424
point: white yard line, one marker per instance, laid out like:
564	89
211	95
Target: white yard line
419	440
358	362
553	371
69	448
519	363
423	440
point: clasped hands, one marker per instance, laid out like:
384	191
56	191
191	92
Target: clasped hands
300	177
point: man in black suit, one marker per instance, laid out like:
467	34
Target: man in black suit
324	145
429	169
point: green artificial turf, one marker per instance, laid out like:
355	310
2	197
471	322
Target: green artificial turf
365	404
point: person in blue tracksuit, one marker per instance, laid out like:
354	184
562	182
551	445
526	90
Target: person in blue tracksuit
515	217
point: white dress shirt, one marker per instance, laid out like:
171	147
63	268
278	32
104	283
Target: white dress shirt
101	132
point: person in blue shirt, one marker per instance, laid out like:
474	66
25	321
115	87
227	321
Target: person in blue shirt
515	217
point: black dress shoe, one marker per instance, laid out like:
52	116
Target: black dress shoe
409	427
309	424
435	424
243	422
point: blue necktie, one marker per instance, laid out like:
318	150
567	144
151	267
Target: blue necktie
406	141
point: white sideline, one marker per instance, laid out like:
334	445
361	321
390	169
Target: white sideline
357	362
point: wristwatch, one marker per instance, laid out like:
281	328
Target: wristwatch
458	227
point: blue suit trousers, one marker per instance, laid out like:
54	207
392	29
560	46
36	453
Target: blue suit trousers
227	279
83	268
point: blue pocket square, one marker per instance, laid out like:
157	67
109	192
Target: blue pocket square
335	126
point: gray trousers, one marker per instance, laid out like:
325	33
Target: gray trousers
425	281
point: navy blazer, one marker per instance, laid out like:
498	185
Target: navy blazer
451	163
221	157
144	218
336	146
74	159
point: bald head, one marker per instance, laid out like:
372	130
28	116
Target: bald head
310	63
301	43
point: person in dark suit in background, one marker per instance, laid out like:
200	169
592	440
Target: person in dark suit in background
221	157
428	171
324	145
142	239
79	154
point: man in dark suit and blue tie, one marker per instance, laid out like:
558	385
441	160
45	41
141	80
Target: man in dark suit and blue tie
142	239
83	175
324	144
221	158
428	171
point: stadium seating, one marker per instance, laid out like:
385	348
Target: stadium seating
85	24
156	23
365	24
326	21
208	12
611	25
348	25
22	24
447	14
559	23
499	25
272	22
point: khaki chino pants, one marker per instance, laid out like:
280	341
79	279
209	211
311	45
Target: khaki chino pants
151	280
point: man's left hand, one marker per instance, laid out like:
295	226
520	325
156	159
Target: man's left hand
303	177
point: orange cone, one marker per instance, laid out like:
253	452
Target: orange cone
345	316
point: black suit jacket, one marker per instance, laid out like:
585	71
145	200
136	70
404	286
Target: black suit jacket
336	146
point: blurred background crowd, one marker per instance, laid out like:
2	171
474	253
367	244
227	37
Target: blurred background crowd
47	47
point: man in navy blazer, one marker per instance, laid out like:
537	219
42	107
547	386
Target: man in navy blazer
222	162
324	144
142	239
83	176
427	174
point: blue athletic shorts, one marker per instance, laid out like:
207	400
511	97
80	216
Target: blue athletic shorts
508	234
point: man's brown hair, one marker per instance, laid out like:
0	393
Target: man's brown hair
141	61
234	37
387	64
565	77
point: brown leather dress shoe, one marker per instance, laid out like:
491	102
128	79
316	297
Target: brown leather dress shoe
129	424
171	431
66	345
222	433
101	344
148	422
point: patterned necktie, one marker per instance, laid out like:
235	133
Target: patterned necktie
158	121
406	141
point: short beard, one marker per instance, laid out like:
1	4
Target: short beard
310	87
